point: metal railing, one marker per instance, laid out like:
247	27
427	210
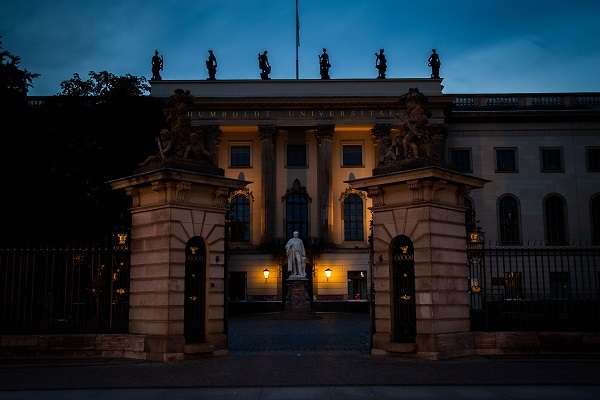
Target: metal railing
555	289
64	290
526	101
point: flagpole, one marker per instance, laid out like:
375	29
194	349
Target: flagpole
297	38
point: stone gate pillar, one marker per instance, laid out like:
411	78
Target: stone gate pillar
427	206
170	207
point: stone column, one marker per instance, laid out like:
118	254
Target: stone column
268	135
427	206
324	135
169	207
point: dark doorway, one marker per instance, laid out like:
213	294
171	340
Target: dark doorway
195	289
404	323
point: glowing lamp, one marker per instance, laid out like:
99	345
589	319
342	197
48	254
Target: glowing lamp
266	273
122	239
328	272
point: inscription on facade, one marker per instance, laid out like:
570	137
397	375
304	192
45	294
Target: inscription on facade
298	115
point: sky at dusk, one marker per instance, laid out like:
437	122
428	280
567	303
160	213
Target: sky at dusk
485	45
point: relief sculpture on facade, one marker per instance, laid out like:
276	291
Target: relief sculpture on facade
182	146
413	143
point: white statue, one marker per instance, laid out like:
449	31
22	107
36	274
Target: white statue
296	257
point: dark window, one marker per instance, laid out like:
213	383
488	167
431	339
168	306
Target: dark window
460	160
352	155
513	286
506	160
560	286
552	160
593	159
470	219
556	220
296	155
509	220
240	156
357	285
296	215
237	286
595	213
353	218
240	219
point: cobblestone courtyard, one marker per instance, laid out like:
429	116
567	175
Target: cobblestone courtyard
327	332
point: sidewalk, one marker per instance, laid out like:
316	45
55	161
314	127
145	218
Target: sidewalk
278	369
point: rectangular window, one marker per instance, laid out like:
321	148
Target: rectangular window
552	159
593	159
357	285
352	155
237	286
296	155
506	160
559	285
460	160
239	156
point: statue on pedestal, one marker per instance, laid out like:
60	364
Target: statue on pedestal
264	66
296	257
435	64
157	66
381	64
211	66
324	64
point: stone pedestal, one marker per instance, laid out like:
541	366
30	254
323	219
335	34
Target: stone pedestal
297	302
169	207
427	206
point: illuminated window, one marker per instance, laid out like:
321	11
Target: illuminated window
240	219
353	218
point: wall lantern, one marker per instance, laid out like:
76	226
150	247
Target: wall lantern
266	273
122	239
328	272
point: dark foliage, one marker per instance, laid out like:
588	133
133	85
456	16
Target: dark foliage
61	151
15	81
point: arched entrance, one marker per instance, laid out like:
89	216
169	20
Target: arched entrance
195	291
404	321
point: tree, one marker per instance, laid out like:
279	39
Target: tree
14	80
105	85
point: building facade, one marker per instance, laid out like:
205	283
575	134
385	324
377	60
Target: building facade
300	143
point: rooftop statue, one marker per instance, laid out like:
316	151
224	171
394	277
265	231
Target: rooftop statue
435	64
211	66
264	66
157	66
324	64
180	145
381	64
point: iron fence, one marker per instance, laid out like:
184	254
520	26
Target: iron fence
64	290
554	289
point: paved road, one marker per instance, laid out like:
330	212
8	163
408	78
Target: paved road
327	332
324	393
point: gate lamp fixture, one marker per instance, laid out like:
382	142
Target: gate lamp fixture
328	272
266	273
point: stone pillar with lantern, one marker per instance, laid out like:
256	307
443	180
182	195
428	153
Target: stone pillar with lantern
179	200
419	257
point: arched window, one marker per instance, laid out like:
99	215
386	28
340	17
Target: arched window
470	220
509	220
595	214
353	218
296	210
240	219
555	215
